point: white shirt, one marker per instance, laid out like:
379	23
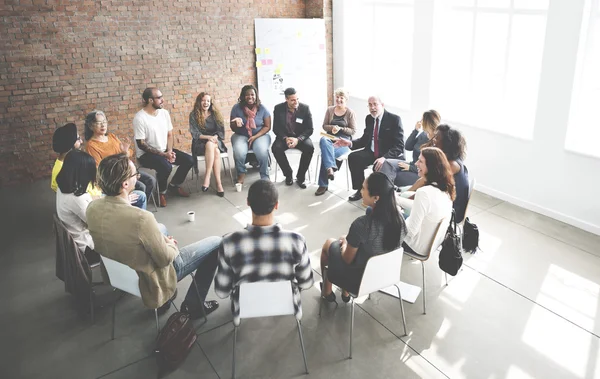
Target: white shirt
430	206
373	136
71	211
153	129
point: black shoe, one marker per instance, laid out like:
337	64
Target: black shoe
301	183
209	307
330	175
357	196
289	180
204	189
329	298
165	307
345	299
221	194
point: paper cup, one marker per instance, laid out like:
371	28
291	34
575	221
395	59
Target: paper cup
191	216
238	187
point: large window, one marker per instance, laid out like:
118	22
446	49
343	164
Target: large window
486	63
378	45
584	130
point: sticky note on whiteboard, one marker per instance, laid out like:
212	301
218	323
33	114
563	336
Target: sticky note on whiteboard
299	34
258	51
269	62
258	64
267	51
263	62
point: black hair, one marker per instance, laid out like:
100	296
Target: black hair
147	94
242	100
77	172
262	197
289	92
385	210
453	142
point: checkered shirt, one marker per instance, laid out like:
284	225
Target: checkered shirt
262	254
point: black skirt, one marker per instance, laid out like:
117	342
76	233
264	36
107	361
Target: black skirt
344	275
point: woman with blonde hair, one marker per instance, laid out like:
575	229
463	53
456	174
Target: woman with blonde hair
208	133
340	122
404	173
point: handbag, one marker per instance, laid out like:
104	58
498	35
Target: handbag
470	241
175	341
451	259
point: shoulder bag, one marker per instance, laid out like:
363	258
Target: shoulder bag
175	341
451	259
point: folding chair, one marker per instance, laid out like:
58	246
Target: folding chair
224	158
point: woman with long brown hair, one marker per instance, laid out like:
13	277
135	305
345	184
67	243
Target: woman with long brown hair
433	201
208	133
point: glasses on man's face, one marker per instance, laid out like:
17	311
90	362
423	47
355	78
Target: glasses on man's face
136	174
79	138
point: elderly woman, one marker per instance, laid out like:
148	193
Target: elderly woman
405	173
208	133
101	144
340	121
250	123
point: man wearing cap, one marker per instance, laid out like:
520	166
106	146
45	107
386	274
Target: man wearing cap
154	137
64	140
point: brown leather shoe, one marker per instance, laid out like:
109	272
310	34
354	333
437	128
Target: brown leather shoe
240	178
320	191
162	200
179	191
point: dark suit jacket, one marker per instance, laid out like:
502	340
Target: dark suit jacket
303	130
391	136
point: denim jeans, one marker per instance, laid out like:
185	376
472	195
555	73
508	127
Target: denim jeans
146	183
329	153
260	146
141	201
201	257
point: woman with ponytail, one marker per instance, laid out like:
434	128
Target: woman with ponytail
380	231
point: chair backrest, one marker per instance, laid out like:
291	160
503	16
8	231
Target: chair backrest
471	186
122	276
262	299
381	271
439	235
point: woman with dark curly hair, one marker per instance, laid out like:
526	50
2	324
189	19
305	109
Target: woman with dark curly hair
433	200
250	123
208	133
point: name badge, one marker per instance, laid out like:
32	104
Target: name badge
299	120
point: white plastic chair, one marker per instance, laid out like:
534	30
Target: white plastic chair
265	299
224	158
382	271
342	158
436	241
296	152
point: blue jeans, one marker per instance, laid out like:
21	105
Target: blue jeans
141	201
201	257
328	155
260	146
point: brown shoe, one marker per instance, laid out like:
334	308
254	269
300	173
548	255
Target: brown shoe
240	178
320	191
179	191
162	200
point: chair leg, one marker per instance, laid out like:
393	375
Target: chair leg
276	165
233	355
112	335
347	176
229	169
92	305
401	308
446	275
157	326
302	345
424	297
198	293
351	326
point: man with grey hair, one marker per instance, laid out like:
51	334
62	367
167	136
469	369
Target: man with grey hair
383	138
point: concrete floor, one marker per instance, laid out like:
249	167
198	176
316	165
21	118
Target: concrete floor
526	306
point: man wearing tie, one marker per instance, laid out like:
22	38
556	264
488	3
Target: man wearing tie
383	138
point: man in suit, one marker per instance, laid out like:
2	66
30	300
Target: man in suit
383	138
293	126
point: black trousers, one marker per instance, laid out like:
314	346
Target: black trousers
306	147
163	167
358	161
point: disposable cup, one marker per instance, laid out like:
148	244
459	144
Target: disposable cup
238	187
191	216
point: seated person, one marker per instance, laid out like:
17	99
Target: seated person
100	144
133	237
64	139
250	123
432	203
208	133
264	251
379	231
293	126
453	144
339	121
403	173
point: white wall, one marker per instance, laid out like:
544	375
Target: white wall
537	174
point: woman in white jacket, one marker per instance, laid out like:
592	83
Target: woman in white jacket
432	202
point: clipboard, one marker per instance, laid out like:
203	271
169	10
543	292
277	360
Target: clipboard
327	135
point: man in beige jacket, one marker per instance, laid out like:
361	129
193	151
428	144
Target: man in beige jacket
132	236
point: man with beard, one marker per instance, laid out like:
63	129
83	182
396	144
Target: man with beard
154	137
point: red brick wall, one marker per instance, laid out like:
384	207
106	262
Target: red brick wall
61	59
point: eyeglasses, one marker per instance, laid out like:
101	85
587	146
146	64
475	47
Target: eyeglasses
79	138
101	123
136	174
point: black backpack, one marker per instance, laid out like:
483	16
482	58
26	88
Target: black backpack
470	241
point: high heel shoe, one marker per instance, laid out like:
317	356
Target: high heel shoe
329	298
345	299
204	189
221	194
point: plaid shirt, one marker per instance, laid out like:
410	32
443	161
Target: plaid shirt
262	254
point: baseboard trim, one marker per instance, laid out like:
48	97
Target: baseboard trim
595	229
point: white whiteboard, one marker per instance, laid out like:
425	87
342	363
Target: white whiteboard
291	53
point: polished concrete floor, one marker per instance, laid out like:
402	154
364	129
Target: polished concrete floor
525	306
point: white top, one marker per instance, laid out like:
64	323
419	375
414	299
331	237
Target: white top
153	129
71	211
429	208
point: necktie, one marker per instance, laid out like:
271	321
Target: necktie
376	138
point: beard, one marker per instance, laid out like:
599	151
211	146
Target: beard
157	106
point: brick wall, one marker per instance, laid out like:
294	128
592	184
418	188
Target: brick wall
61	59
